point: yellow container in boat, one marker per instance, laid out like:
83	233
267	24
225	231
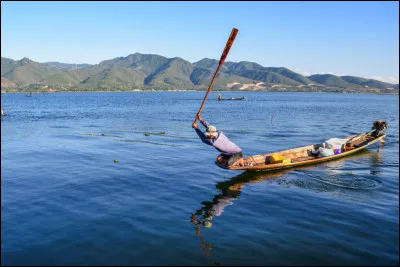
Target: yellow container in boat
276	158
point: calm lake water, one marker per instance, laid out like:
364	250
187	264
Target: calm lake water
64	201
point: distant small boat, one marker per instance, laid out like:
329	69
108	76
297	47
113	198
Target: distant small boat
2	112
29	94
232	98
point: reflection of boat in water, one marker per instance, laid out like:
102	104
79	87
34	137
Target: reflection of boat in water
232	98
306	155
334	176
230	191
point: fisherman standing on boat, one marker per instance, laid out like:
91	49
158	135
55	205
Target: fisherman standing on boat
231	153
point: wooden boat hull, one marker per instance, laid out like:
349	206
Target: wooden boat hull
242	98
299	156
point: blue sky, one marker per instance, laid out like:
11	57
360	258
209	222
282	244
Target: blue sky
342	38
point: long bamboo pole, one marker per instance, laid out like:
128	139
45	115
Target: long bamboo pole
228	46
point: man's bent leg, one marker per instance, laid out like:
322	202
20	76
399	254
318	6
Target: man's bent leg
234	158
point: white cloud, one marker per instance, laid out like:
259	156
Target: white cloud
308	73
305	73
388	79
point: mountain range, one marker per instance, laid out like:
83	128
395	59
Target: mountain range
155	72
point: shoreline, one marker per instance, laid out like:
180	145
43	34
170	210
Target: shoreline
191	91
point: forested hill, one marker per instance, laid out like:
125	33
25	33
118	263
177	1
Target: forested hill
155	72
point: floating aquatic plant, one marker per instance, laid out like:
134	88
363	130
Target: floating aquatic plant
162	132
147	134
102	134
115	160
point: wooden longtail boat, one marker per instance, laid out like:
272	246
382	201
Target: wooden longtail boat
232	98
302	156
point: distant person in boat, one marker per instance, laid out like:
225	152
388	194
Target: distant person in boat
231	153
